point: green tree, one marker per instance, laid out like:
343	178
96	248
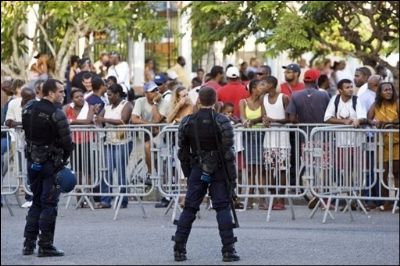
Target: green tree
61	24
367	30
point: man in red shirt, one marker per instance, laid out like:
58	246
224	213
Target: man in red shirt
233	91
292	84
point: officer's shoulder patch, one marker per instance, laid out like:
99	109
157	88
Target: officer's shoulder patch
29	105
221	118
58	115
186	119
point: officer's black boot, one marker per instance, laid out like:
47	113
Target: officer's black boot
29	246
182	232
46	248
180	251
229	253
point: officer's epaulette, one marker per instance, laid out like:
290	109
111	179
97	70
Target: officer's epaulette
29	105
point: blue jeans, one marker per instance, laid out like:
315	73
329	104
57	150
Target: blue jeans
116	158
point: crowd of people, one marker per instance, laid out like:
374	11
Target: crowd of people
101	93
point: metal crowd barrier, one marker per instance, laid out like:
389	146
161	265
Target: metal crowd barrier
353	169
111	162
282	161
10	174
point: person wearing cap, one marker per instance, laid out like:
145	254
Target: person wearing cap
181	72
120	70
233	91
309	104
165	88
162	82
146	111
292	84
306	106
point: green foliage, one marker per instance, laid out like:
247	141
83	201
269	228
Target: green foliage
10	13
64	22
364	29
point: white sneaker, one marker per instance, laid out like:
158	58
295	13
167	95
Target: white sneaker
27	204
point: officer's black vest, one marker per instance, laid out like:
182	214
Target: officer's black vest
203	123
38	122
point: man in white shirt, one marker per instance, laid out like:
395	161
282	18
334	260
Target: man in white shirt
361	79
345	113
346	110
120	70
146	111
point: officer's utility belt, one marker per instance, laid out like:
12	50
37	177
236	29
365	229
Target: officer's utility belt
42	153
208	161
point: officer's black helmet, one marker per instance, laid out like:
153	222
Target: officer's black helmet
66	180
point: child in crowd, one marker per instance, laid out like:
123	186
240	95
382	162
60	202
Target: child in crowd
227	110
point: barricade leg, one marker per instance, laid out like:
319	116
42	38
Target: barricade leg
69	201
291	208
350	210
270	201
327	211
175	201
117	203
315	209
360	204
141	206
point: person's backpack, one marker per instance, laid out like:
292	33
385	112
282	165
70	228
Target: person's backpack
337	99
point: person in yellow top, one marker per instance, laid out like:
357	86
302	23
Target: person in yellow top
385	112
181	72
251	116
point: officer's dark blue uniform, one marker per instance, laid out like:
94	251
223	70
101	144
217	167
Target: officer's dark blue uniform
49	145
206	121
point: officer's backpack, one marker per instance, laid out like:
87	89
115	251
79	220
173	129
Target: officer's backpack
337	99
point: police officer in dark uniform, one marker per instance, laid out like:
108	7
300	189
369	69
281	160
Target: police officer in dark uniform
198	139
49	145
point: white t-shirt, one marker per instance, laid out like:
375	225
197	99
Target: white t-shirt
165	103
114	113
194	94
14	111
121	72
362	89
143	109
345	111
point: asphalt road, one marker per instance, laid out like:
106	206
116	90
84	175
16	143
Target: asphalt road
93	237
